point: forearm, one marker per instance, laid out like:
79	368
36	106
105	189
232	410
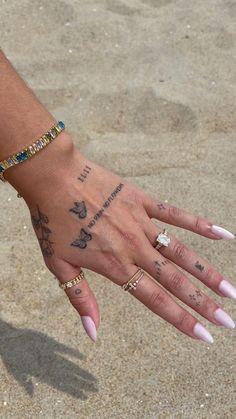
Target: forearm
22	116
23	119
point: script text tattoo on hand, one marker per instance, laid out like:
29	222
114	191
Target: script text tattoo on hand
40	222
85	236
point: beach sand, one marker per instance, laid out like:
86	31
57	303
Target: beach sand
147	88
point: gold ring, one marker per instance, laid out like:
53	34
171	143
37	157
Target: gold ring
162	240
72	282
136	278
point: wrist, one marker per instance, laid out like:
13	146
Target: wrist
44	168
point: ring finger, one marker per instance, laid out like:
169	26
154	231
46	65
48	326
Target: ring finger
161	303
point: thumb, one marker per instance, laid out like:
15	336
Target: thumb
80	295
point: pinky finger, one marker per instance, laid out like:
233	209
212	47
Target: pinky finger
161	303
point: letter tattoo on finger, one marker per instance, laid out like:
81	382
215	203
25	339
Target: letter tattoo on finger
158	266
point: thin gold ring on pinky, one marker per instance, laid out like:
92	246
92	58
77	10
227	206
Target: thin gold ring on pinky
162	240
72	282
133	281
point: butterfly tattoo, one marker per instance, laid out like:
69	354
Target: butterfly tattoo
79	209
81	242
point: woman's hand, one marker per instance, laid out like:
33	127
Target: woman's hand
88	217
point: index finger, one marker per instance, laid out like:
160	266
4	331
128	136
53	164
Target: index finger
181	218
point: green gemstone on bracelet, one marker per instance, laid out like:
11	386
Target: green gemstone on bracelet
1	169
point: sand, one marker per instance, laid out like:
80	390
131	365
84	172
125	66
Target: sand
147	88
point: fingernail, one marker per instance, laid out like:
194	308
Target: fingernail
223	318
201	333
222	232
89	327
227	289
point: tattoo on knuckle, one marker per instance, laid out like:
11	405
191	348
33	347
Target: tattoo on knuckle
199	266
161	206
196	298
81	297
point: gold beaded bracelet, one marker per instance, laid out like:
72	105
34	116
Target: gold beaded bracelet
32	149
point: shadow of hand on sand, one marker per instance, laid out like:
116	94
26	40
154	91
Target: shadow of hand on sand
27	353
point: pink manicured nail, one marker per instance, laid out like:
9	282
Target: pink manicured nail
222	232
227	289
201	333
223	318
89	327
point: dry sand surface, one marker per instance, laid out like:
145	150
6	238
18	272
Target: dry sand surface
147	89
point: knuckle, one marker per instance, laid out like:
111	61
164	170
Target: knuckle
132	239
198	222
177	280
175	212
80	299
183	320
157	300
112	263
180	250
209	274
208	306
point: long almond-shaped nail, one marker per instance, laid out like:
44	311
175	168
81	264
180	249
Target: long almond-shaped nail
223	318
227	289
89	327
222	232
201	333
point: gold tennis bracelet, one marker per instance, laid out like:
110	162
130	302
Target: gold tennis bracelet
32	149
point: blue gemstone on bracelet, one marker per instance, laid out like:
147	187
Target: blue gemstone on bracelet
1	169
21	156
61	125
